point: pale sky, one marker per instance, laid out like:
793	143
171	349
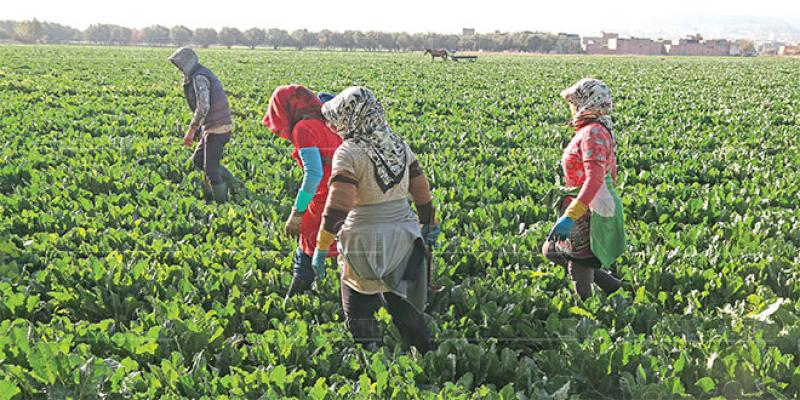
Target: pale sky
575	16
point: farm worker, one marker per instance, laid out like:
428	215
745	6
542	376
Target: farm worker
212	116
382	242
590	234
294	114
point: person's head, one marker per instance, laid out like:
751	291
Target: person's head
185	59
288	105
589	99
355	111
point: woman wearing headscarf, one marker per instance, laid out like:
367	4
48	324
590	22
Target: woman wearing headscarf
382	242
294	114
590	234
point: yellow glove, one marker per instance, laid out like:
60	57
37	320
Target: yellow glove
325	239
576	210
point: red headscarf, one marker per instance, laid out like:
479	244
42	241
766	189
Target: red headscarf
288	106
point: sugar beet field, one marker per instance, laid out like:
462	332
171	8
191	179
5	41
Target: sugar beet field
118	281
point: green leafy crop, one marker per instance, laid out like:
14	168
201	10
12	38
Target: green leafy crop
117	280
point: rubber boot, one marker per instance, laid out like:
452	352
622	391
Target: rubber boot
220	192
234	185
582	279
298	285
207	194
607	282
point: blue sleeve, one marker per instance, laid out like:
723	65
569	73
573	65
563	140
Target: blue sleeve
312	176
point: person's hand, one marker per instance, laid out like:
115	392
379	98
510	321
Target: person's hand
292	227
188	138
431	233
318	263
562	228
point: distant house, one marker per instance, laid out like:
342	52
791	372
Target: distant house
769	48
636	46
598	45
695	45
787	50
468	32
611	43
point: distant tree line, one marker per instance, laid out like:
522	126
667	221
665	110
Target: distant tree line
35	31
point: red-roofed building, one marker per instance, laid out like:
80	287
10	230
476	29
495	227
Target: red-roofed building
787	50
611	43
695	45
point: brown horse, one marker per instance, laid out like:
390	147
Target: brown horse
441	53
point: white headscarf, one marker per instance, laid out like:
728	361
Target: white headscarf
358	116
592	100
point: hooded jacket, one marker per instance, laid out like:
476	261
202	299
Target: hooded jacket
202	90
294	114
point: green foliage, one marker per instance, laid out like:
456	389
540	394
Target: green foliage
117	279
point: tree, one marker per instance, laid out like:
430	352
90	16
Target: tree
230	37
347	40
386	41
255	37
180	35
156	34
7	28
468	42
338	40
303	38
57	33
369	41
98	34
205	37
324	39
121	35
278	38
746	47
402	40
356	39
137	36
421	40
28	31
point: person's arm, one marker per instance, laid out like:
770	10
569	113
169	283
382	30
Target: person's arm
420	190
312	176
341	199
595	178
202	93
597	152
421	195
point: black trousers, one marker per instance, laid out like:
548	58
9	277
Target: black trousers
582	272
359	314
208	155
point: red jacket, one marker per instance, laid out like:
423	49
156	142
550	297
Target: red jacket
295	114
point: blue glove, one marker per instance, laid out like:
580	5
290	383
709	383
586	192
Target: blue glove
318	263
562	228
431	233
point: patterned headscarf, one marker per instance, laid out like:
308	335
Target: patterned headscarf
288	106
592	100
358	116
